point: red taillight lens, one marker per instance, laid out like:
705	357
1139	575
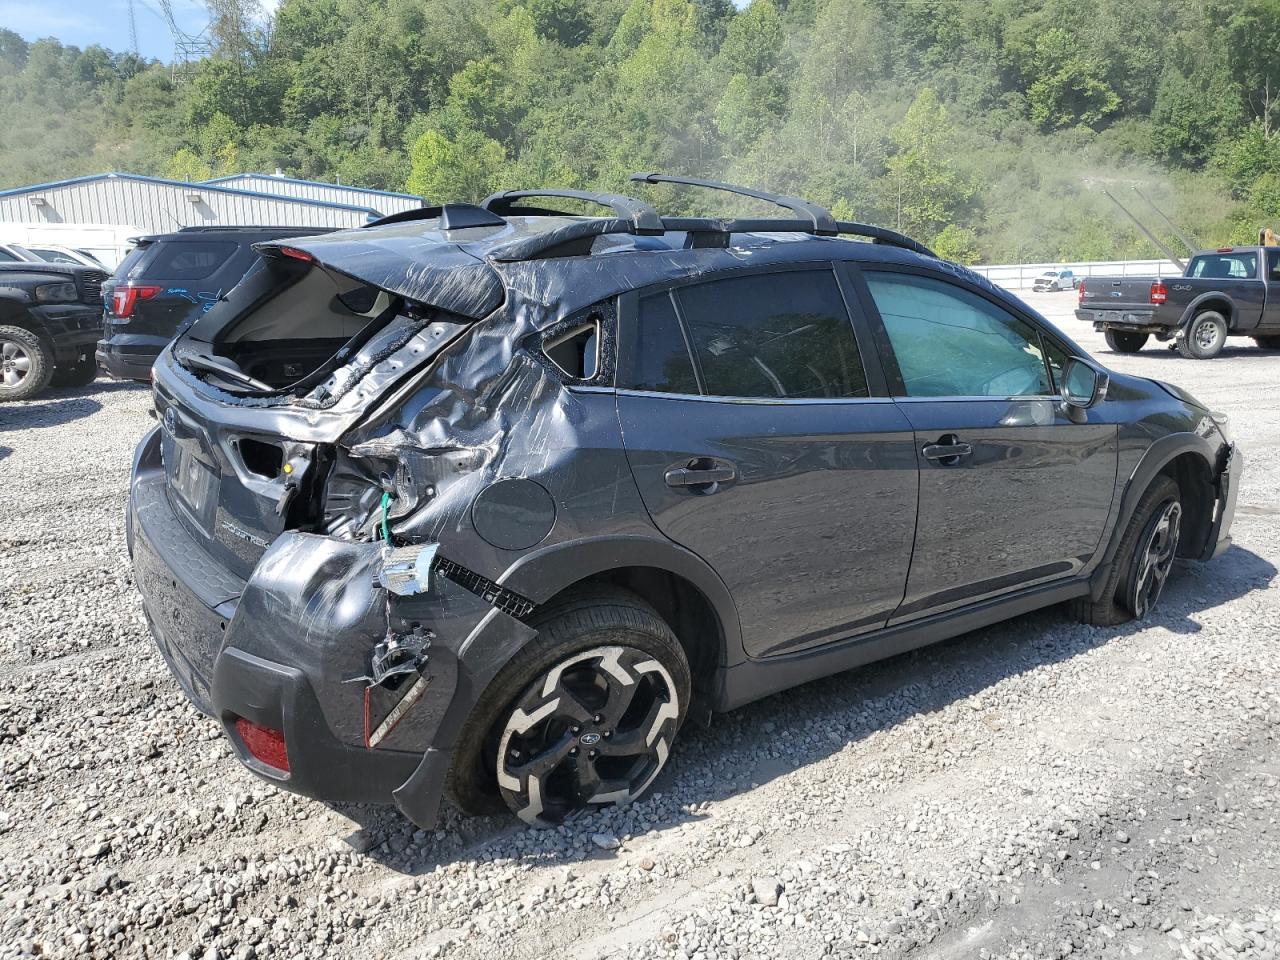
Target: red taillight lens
1159	292
296	254
1080	292
264	744
125	298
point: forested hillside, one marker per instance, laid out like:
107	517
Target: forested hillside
984	128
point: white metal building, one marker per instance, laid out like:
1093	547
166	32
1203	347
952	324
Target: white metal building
283	186
159	206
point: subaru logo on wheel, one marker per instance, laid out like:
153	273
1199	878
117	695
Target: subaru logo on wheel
589	739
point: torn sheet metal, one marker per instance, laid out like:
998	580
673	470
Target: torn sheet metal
406	571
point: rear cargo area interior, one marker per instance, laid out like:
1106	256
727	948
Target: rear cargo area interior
289	336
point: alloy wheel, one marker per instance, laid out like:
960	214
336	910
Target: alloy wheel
594	730
15	363
1155	557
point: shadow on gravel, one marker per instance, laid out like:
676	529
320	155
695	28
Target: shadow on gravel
47	412
772	737
1160	353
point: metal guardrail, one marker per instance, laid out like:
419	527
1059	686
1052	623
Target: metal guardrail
1020	276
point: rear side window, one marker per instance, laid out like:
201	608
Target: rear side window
775	335
7	257
655	355
191	259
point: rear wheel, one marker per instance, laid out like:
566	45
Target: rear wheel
1122	341
79	374
1205	336
584	717
1268	343
1142	562
25	364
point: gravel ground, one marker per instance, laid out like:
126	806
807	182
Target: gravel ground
1038	789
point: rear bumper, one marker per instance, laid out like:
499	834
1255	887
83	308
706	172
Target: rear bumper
129	356
289	647
1135	320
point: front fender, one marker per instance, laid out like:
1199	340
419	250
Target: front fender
542	574
1158	456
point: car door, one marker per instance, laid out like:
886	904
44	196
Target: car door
1012	491
761	441
1271	306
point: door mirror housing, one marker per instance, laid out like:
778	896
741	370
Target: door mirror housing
1083	384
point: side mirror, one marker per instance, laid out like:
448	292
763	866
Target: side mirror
1083	384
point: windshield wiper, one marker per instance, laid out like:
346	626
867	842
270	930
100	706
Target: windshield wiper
230	372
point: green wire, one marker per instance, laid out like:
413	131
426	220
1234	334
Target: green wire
386	533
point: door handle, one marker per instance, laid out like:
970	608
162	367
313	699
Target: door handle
949	450
701	472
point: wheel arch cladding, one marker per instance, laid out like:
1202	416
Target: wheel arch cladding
685	591
1209	303
1182	456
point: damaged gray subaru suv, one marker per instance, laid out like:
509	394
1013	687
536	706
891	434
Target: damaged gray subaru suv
484	501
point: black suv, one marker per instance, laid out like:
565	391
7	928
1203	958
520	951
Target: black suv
166	282
550	483
50	318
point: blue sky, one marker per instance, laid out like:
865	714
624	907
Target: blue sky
105	22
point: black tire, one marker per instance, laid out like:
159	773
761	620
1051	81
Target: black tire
79	374
25	364
1268	343
1205	336
1142	562
576	639
1125	342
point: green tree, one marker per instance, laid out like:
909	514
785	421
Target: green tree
957	243
465	167
924	184
1070	84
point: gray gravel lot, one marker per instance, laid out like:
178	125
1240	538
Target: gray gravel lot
1038	789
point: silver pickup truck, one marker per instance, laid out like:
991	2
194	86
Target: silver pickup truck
1224	292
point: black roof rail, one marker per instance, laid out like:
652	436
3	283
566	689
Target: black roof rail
643	218
883	235
820	220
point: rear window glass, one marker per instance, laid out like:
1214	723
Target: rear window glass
191	260
132	259
1238	266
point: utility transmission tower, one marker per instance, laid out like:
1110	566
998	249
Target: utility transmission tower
133	29
186	46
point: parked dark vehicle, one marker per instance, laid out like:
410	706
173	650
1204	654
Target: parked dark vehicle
50	318
169	280
1232	291
550	485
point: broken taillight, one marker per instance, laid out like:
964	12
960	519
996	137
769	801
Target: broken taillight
125	298
1159	292
265	744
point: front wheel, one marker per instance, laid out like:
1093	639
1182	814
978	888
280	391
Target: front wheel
583	718
1122	341
1143	560
1205	336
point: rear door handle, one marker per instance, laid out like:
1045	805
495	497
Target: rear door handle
701	472
949	450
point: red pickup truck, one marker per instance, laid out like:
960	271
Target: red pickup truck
1224	292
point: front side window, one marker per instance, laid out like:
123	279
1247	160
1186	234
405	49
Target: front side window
1273	265
774	335
952	343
